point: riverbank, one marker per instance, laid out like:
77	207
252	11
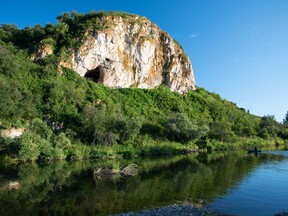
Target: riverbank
143	147
182	209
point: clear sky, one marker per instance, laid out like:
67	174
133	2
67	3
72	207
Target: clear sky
238	48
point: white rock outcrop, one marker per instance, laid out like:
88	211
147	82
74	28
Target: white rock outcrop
132	52
12	132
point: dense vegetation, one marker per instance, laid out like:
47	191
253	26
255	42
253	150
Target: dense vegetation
67	116
69	32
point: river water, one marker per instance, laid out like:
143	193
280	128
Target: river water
264	191
232	182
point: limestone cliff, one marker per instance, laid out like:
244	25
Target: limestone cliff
132	52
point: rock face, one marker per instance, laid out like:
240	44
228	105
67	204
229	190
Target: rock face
43	51
132	52
12	132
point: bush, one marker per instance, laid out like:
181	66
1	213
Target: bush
79	151
222	131
61	142
59	154
46	150
29	146
128	129
41	128
181	129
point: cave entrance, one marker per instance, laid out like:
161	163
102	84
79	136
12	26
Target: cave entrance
97	74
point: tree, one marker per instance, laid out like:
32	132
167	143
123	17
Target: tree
127	128
221	131
181	129
29	146
8	32
268	127
285	120
98	124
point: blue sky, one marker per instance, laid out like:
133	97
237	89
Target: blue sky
238	48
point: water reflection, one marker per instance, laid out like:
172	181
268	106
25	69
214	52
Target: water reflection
69	187
263	192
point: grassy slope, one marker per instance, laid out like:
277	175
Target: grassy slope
68	116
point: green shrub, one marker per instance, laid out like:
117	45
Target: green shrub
29	146
58	153
41	128
46	150
181	129
61	142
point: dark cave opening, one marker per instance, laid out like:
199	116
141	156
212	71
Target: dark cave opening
96	74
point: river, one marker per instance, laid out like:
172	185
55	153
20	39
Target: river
231	182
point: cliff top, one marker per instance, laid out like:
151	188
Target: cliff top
70	29
113	48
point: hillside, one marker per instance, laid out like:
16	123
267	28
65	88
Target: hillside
63	115
115	49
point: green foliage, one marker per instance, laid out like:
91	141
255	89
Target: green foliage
221	131
283	132
181	129
67	116
29	146
17	85
49	41
127	129
41	128
97	123
268	127
46	150
285	120
61	141
7	32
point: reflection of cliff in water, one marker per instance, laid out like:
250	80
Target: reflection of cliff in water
65	187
